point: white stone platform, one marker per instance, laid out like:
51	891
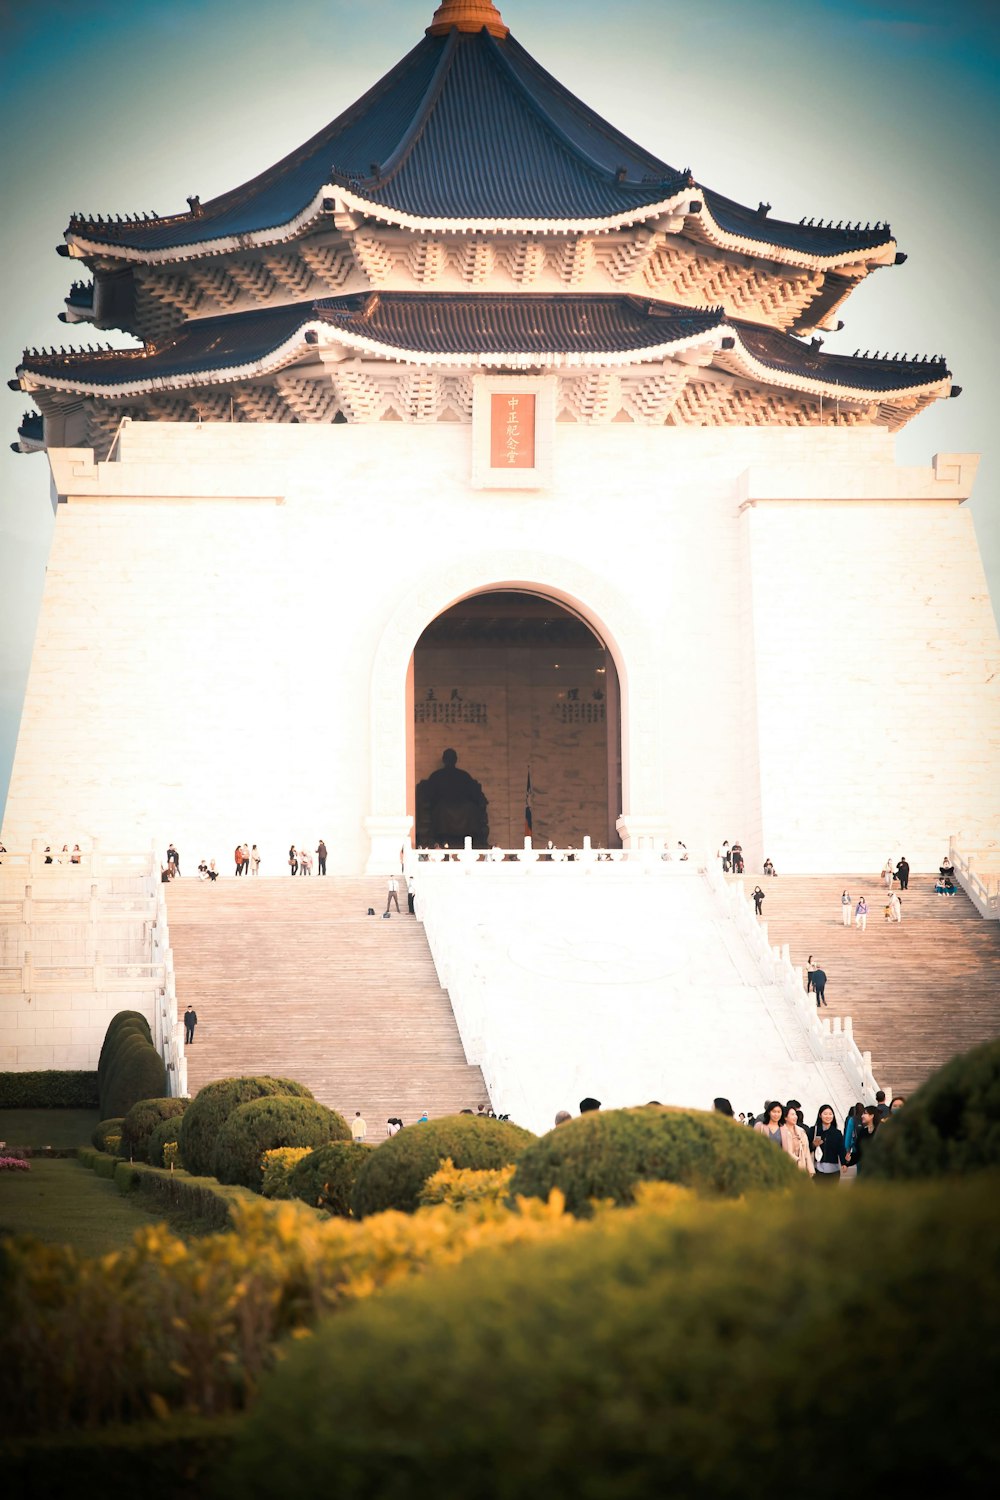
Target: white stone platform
628	981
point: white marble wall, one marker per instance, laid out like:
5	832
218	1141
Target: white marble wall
229	613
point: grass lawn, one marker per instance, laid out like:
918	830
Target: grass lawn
48	1127
64	1203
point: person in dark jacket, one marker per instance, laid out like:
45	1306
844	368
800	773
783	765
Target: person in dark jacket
903	874
819	985
863	1138
828	1145
190	1022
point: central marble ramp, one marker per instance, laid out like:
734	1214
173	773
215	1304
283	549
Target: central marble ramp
626	982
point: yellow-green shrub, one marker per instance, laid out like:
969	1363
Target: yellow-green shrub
168	1327
277	1170
395	1172
325	1178
459	1186
782	1345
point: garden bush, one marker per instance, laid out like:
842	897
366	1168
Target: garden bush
461	1186
125	1023
605	1154
325	1178
212	1105
167	1133
105	1129
395	1172
136	1072
142	1119
950	1125
50	1089
700	1352
262	1125
276	1170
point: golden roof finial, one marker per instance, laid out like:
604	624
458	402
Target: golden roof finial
467	15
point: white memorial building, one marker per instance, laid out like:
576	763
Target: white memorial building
473	424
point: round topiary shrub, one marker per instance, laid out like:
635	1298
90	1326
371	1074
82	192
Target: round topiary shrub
103	1130
212	1106
325	1178
164	1134
264	1124
604	1155
142	1119
950	1125
396	1171
694	1352
137	1072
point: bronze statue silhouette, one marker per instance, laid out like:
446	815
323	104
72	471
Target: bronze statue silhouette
451	807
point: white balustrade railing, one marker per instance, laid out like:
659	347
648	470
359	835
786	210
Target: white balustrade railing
526	856
831	1039
44	860
979	876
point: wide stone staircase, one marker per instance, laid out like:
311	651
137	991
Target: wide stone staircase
291	977
918	991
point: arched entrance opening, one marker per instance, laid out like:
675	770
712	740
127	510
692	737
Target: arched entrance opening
524	691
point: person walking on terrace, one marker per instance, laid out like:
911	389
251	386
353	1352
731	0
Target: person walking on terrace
392	894
293	860
190	1022
255	860
321	858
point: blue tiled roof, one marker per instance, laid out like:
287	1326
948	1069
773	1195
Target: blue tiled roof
468	324
465	127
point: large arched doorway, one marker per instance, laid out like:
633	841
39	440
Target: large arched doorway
521	688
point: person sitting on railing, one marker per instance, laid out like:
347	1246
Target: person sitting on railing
76	856
682	852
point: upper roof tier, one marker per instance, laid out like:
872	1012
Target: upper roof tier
468	133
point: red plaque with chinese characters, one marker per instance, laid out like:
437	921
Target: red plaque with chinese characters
512	430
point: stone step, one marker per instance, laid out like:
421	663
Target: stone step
917	991
292	977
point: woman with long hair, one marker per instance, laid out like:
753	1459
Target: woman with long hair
770	1125
796	1141
828	1147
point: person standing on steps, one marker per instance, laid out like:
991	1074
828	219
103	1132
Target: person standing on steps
819	986
392	895
845	908
758	899
861	914
411	892
810	969
321	858
896	907
359	1129
903	873
190	1022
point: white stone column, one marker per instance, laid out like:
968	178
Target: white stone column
389	836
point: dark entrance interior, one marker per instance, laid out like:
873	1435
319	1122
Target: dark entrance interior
516	683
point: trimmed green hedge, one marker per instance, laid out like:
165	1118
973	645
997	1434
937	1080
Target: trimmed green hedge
708	1351
202	1198
396	1171
102	1162
140	1122
212	1106
950	1125
126	1023
263	1125
326	1177
136	1073
103	1130
49	1089
605	1154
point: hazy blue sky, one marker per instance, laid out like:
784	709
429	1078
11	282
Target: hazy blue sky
844	109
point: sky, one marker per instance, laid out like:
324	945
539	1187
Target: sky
840	109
